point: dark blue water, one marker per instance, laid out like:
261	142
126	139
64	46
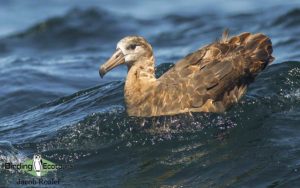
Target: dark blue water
53	102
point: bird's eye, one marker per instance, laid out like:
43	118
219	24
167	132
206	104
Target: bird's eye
131	47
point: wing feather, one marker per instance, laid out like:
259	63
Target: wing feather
216	76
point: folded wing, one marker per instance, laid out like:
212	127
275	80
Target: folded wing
213	78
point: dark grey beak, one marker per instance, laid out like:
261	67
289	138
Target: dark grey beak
116	59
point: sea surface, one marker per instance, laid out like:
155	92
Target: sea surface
53	102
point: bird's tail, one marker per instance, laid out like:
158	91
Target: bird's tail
258	48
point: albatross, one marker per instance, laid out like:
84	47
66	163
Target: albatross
211	79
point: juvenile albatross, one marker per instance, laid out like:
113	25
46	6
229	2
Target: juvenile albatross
210	79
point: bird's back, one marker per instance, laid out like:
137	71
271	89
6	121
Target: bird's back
213	78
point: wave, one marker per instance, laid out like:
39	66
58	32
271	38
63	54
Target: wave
76	28
97	109
290	19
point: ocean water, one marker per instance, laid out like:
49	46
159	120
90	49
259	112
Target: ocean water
53	102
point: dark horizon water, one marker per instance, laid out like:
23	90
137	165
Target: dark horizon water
54	103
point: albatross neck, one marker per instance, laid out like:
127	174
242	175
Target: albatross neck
139	78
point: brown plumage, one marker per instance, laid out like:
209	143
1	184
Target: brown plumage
210	79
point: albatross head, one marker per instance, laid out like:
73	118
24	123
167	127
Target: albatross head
130	51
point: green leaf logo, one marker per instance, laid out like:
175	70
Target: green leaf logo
38	167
